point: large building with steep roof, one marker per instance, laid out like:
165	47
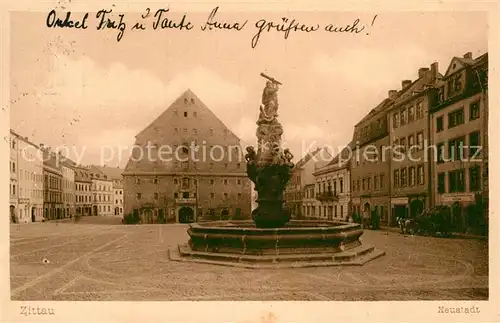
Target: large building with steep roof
186	166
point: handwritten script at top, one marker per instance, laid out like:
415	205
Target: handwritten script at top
162	19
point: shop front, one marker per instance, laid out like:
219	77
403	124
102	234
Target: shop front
399	209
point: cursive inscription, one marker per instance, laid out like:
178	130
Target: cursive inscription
163	22
107	23
54	21
212	23
286	26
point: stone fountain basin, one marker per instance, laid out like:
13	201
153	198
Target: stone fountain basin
300	243
295	237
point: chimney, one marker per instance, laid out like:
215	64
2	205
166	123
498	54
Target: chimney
468	55
422	71
435	70
392	94
405	84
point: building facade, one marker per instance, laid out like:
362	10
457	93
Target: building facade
102	192
332	188
410	169
115	174
459	130
68	187
298	200
370	163
83	192
52	185
197	170
13	185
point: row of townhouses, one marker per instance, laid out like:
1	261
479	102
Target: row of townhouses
45	185
424	145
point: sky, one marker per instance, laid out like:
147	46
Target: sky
82	89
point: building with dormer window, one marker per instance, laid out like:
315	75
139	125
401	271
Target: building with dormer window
196	169
459	129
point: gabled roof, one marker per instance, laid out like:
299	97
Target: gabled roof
307	158
461	63
112	172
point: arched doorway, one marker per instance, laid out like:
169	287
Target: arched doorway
33	216
224	214
416	207
12	210
186	214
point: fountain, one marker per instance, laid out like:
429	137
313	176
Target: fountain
272	239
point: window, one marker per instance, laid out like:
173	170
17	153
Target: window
411	114
185	195
474	144
225	132
420	140
211	165
156	196
404	177
456	118
439	124
225	181
13	167
225	196
402	143
175	181
239	196
239	182
185	130
195	132
412	176
396	178
211	182
364	181
411	141
155	180
456	149
137	181
184	165
238	165
354	186
138	196
440	153
185	114
381	180
212	195
456	181
375	182
474	178
420	110
211	132
176	195
185	183
176	130
195	114
420	174
395	120
341	186
402	117
474	111
225	165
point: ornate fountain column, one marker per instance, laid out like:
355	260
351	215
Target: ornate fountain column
270	167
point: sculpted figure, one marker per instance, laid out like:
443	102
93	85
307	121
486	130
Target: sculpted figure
269	107
251	156
288	157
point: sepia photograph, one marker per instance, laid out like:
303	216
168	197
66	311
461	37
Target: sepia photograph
168	154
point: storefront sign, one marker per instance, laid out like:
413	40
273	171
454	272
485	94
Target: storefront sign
399	200
23	200
356	201
457	197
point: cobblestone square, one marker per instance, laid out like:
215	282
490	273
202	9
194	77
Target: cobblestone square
99	259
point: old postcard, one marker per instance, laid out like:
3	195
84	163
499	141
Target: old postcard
162	155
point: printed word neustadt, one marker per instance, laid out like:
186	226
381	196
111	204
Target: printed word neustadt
162	19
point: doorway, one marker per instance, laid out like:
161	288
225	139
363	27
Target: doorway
186	214
33	216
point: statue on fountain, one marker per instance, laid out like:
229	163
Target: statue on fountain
270	167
